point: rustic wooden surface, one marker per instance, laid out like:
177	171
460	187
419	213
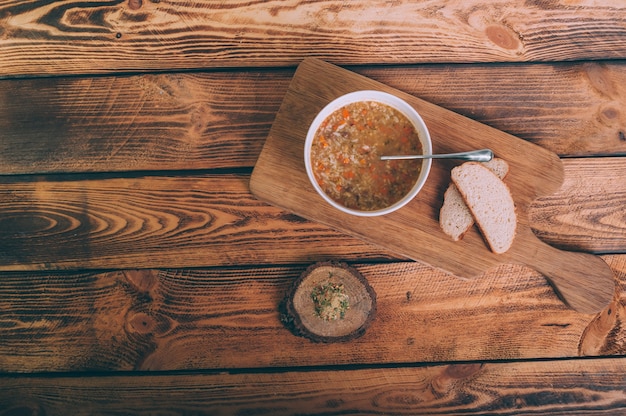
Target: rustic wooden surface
140	35
474	388
221	119
139	275
183	319
583	281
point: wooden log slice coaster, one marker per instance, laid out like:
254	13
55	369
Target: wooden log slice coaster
329	302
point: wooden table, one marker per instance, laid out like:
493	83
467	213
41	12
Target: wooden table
140	275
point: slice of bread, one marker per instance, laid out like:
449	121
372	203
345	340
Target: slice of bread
498	166
490	202
455	217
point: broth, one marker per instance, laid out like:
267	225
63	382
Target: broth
346	150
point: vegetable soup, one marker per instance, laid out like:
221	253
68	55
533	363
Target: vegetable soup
346	150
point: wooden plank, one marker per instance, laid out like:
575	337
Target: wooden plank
221	119
170	121
221	318
208	220
570	387
560	218
144	222
72	37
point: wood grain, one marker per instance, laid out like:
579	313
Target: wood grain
552	388
222	318
186	221
221	119
605	215
169	121
73	37
208	220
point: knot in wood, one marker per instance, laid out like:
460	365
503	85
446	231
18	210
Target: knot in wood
504	37
141	323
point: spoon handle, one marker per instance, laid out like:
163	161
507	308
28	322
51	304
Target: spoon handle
483	155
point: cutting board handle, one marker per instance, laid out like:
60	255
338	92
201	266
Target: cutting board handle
583	281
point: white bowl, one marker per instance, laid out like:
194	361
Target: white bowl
392	101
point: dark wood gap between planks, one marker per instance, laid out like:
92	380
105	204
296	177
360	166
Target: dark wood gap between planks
289	69
296	369
200	70
131	174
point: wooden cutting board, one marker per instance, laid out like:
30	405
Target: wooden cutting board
583	281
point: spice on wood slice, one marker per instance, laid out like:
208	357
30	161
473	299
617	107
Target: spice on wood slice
329	302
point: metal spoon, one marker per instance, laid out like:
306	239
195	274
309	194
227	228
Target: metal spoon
483	155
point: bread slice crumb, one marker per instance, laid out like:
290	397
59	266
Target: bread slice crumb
455	218
490	202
